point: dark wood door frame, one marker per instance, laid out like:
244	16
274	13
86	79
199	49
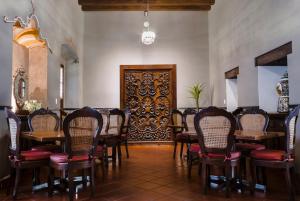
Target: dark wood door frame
171	67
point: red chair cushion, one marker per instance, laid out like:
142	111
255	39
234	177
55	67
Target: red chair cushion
195	148
234	155
249	146
63	158
277	155
35	155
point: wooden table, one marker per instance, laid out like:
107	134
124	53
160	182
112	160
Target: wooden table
44	136
257	135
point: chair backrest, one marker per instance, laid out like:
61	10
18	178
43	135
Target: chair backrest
215	129
236	113
82	131
291	124
14	124
116	119
43	120
188	119
254	120
177	120
126	126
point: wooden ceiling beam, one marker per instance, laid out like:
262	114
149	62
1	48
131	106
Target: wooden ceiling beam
140	5
142	8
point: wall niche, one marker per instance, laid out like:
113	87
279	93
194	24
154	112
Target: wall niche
273	90
231	78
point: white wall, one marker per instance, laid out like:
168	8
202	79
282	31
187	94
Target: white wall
239	31
268	77
113	38
231	94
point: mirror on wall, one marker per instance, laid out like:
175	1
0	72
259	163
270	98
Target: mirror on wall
20	88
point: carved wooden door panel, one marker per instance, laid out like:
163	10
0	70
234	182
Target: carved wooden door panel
150	94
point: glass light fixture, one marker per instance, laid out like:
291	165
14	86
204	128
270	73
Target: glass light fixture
148	37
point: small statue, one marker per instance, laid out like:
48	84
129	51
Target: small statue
282	89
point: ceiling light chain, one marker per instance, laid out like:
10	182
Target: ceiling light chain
148	37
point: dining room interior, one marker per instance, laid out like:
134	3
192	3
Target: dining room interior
149	100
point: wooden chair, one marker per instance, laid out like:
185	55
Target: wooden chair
282	159
44	120
252	120
215	129
125	130
192	138
111	137
82	134
178	127
22	159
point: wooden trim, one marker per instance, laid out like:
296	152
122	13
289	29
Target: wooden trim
275	57
171	67
233	73
138	5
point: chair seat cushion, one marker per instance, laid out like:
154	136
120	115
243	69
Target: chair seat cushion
35	155
249	146
234	155
277	155
48	147
63	158
195	148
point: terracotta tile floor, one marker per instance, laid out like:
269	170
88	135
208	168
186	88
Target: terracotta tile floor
151	174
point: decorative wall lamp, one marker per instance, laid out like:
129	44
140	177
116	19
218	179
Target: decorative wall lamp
27	32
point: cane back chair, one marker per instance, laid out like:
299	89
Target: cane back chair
82	134
282	159
215	129
20	159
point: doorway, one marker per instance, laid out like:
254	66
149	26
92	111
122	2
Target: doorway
149	92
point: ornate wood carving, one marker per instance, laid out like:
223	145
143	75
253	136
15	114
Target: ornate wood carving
150	94
275	57
138	5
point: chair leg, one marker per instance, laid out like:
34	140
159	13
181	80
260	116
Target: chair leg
190	161
181	149
114	153
119	153
84	178
17	179
93	180
208	177
175	147
239	174
203	177
294	179
72	188
126	147
253	177
289	184
264	177
50	181
228	179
